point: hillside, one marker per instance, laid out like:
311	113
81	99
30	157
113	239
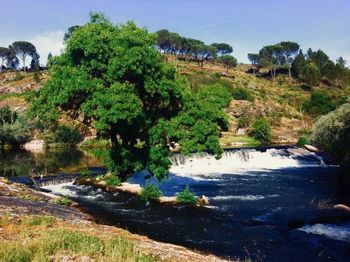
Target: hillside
280	101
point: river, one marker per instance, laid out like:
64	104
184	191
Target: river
266	204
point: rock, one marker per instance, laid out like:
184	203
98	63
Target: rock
34	146
312	148
343	207
203	201
240	132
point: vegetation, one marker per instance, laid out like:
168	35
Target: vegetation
46	238
319	104
66	135
331	133
150	192
262	131
14	128
131	96
240	93
112	180
186	197
64	201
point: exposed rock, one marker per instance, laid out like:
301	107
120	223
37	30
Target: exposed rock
312	148
35	146
343	207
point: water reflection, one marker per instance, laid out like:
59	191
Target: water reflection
21	163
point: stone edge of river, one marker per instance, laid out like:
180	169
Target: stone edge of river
17	200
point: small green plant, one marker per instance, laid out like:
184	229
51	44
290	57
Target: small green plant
64	201
243	121
302	140
85	172
36	77
262	131
112	180
186	197
18	76
240	93
150	192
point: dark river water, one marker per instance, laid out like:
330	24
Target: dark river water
268	205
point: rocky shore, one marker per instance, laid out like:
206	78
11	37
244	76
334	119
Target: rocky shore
18	202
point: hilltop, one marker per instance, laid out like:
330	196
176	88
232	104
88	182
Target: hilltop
280	101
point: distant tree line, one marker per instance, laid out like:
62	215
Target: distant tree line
312	67
196	50
19	51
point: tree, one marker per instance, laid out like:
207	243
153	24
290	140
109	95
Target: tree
34	64
202	52
49	58
341	62
290	50
24	49
114	75
69	33
331	133
319	57
319	104
312	74
222	48
271	56
3	56
12	60
298	65
228	61
254	60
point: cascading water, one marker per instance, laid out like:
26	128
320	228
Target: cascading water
254	194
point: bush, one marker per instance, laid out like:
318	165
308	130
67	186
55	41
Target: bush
112	180
18	76
240	93
186	197
302	140
243	121
67	135
150	192
331	133
319	104
262	130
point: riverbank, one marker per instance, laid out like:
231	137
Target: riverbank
30	220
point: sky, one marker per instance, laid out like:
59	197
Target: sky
246	24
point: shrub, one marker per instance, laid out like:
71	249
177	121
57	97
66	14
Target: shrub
36	77
302	140
240	93
331	133
112	180
319	104
18	76
262	130
14	129
67	135
186	197
150	192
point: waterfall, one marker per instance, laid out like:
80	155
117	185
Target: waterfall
244	159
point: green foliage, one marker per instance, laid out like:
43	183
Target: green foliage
64	201
319	104
115	77
240	93
311	74
228	61
244	121
14	129
199	79
112	180
186	197
150	192
36	77
18	76
331	133
67	135
303	140
262	131
45	221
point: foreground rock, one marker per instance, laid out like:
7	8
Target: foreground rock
18	206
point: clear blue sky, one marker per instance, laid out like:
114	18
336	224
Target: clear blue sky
246	25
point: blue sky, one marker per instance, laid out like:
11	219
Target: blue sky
247	24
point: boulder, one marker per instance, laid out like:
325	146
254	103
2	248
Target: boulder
312	148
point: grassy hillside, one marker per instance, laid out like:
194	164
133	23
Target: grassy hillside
280	101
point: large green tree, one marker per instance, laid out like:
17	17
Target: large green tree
114	75
23	49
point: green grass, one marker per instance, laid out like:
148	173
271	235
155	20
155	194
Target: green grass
240	141
95	143
64	201
35	244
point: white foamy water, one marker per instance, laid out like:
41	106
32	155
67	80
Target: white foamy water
241	160
63	189
341	233
243	197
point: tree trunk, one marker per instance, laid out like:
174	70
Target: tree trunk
24	65
289	71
